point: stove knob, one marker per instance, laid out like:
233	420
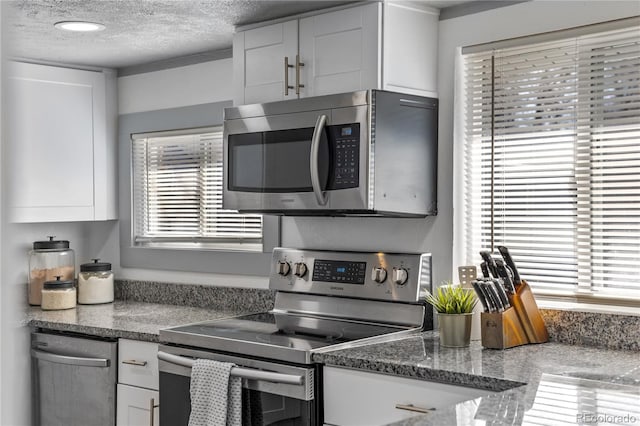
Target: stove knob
400	276
283	268
379	274
299	269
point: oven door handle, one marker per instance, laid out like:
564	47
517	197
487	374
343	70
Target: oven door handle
321	197
244	373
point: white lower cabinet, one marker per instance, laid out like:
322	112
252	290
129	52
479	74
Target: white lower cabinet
134	406
353	398
137	392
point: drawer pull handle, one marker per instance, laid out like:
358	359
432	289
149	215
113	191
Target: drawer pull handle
134	362
411	407
152	414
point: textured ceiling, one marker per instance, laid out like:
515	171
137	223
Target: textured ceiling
138	31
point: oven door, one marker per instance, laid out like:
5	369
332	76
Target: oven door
303	161
279	394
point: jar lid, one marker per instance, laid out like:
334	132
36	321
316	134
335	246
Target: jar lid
58	284
96	266
51	244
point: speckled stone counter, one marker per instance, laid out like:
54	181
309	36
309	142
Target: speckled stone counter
555	380
131	320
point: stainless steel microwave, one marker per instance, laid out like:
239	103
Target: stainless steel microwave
370	153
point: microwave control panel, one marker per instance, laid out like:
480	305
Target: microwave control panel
346	156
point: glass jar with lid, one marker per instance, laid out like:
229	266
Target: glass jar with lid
95	283
58	294
47	260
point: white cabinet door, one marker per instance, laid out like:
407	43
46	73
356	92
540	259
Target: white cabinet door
258	63
134	406
57	147
341	50
410	48
358	398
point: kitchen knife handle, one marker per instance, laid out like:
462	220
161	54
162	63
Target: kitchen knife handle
502	294
492	297
480	295
485	270
491	264
506	277
509	261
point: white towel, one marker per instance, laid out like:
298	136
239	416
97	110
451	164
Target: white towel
216	396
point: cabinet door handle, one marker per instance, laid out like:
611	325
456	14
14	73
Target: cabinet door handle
152	408
298	66
286	76
411	407
134	362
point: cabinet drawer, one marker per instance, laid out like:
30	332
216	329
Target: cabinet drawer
135	405
138	363
361	398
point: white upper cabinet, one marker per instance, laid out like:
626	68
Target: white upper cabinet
61	144
340	51
391	46
259	63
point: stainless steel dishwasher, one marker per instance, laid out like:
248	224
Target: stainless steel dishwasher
74	380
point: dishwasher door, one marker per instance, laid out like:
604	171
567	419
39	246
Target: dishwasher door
74	381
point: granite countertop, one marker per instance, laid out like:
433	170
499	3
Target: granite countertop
126	319
550	383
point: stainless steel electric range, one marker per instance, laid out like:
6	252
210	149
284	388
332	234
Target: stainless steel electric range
325	300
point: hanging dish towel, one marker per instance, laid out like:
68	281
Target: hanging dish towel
216	396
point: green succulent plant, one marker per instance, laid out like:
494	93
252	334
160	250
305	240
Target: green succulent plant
450	299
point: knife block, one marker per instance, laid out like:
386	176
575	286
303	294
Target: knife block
521	324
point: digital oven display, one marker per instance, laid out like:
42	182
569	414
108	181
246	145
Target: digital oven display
346	131
338	271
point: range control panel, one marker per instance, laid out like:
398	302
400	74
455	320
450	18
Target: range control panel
379	276
338	271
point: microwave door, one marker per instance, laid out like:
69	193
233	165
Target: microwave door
271	170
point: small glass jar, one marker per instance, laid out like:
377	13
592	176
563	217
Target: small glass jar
47	260
95	283
58	294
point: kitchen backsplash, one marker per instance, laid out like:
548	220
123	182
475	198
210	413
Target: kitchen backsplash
201	296
593	329
577	328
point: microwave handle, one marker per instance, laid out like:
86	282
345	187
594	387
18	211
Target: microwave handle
313	163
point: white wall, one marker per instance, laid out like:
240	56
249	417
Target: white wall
514	21
176	87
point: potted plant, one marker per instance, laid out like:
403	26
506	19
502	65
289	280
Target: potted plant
454	305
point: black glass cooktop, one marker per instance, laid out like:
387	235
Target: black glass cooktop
273	334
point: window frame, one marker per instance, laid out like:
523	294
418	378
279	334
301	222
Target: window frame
578	298
195	242
181	259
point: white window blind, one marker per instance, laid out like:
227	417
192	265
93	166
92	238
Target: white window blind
177	193
552	161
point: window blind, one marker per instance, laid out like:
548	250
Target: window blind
177	193
552	161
